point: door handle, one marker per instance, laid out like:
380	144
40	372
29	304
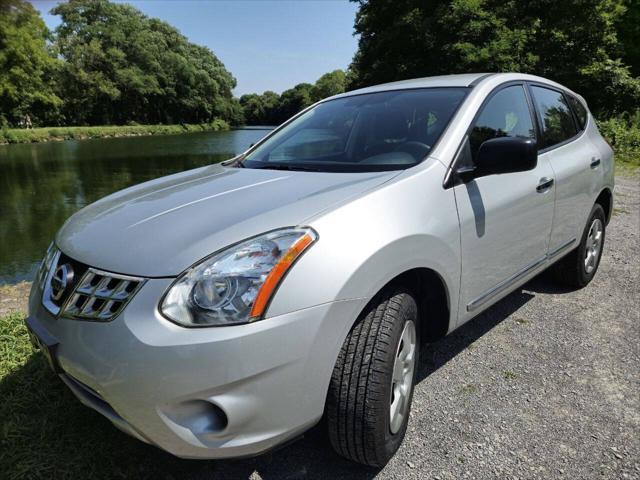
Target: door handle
595	162
544	185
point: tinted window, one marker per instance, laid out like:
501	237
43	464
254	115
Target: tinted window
579	110
506	114
376	131
557	122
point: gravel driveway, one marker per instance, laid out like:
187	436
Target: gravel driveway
546	384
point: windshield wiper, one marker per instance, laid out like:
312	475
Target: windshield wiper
234	162
286	166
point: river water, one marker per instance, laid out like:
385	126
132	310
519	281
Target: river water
42	184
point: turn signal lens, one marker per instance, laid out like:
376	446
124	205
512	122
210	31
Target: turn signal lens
282	267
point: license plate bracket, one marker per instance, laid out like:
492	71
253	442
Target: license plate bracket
44	341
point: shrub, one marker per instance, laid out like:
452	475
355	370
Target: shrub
623	134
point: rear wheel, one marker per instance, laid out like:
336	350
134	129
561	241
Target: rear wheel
371	387
579	267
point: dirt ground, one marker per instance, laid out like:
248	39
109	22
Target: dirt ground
13	298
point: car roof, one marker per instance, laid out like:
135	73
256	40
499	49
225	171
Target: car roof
460	80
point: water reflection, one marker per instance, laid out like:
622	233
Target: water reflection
41	185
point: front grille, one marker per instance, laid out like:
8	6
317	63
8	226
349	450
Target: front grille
89	294
100	295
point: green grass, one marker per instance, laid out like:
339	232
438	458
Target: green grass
468	389
619	211
522	321
46	433
46	134
627	164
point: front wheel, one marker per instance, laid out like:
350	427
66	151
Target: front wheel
579	267
371	386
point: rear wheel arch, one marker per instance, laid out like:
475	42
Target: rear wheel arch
605	200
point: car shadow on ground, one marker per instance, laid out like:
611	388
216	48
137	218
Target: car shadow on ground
44	428
437	354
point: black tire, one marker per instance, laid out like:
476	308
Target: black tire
359	397
571	270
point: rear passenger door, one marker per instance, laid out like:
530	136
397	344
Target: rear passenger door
575	162
505	219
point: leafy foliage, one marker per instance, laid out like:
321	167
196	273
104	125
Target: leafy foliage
573	42
329	84
26	65
629	35
121	66
106	63
623	133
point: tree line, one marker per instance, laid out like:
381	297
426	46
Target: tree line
591	46
108	63
273	109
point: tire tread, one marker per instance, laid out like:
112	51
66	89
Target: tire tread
358	384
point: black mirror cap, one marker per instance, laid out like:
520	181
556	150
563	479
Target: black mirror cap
506	155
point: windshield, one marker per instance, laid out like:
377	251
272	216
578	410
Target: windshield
371	132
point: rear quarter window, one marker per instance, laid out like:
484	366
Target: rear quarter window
579	110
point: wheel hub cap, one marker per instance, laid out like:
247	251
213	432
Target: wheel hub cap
593	246
402	379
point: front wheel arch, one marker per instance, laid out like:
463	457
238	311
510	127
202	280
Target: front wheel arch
432	295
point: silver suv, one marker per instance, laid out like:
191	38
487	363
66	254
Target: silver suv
221	311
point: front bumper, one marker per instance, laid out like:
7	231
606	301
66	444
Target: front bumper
206	392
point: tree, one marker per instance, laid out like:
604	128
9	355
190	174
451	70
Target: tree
629	34
572	41
261	109
294	100
329	84
122	66
27	67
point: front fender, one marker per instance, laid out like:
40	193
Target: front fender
398	257
410	222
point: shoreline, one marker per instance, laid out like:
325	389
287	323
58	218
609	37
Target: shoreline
10	136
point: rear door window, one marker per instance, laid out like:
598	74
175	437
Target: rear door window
555	116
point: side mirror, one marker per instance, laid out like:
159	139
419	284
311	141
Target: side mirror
503	155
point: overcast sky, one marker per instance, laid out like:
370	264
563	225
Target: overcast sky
266	44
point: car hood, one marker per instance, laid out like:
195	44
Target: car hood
160	228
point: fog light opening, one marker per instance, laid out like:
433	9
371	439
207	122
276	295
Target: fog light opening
201	417
217	419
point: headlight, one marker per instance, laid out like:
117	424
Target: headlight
47	264
234	286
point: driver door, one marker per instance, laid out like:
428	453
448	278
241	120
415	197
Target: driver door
505	219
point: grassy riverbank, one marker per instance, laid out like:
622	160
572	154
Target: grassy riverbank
47	134
622	133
